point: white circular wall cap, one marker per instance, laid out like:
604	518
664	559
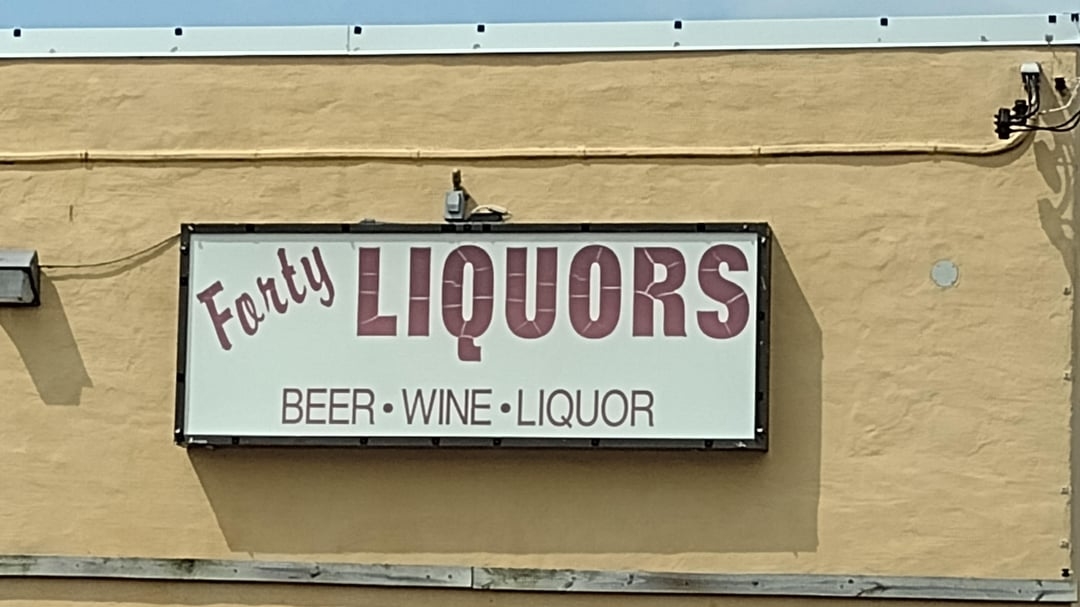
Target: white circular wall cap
945	274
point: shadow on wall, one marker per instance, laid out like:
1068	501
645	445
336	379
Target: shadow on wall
48	348
1056	165
1060	222
304	501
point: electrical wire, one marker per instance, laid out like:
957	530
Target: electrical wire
930	148
1068	125
110	262
581	152
1033	98
1018	121
1068	99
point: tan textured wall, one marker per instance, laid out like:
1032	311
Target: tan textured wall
916	431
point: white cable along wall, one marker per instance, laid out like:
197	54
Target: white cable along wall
547	153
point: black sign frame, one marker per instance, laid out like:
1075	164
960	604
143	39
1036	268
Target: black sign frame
761	410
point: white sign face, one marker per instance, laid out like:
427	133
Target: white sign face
536	335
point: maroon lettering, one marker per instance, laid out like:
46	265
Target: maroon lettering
288	272
252	315
581	284
467	330
419	291
217	318
248	315
594	305
368	320
322	280
270	295
648	290
544	287
716	287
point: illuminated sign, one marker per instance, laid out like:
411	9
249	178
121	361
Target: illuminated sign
617	335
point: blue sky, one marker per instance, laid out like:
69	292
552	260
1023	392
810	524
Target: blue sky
167	13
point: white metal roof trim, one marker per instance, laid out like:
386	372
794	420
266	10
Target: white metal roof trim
654	36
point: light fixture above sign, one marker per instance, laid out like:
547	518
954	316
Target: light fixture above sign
20	278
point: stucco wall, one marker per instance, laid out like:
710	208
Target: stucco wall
915	430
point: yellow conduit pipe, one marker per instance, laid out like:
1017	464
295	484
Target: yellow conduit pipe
552	153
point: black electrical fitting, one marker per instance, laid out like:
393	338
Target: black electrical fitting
1019	118
1007	121
1003	123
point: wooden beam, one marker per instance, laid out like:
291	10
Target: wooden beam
205	570
538	580
795	585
